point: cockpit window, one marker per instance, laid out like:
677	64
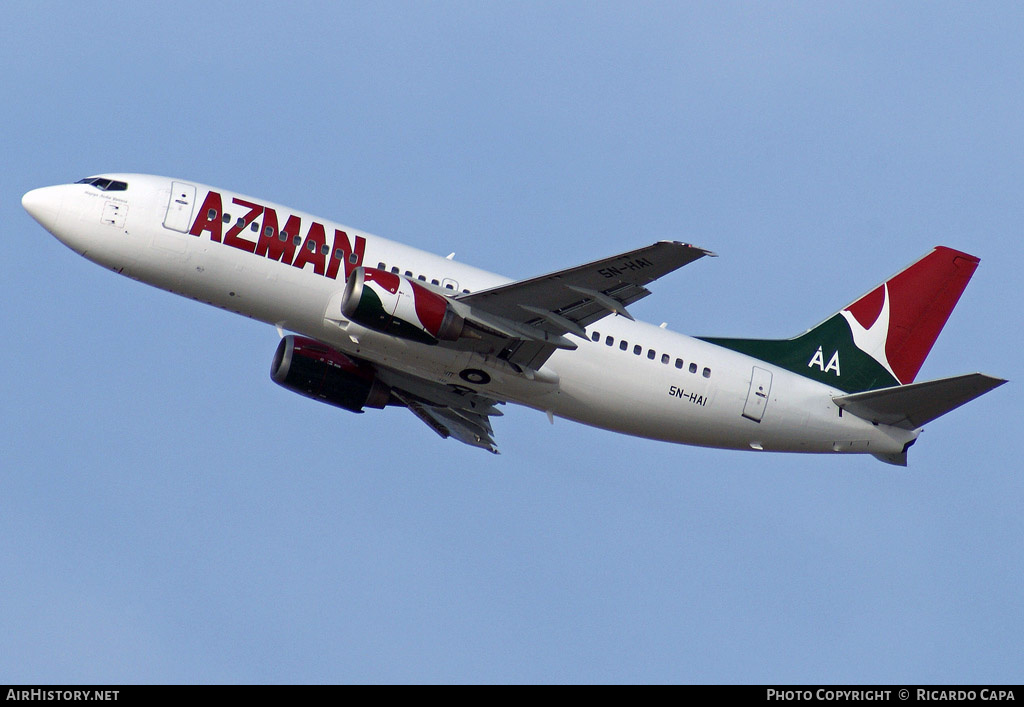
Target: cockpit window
104	184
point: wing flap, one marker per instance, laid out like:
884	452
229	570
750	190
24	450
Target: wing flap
914	405
467	427
451	412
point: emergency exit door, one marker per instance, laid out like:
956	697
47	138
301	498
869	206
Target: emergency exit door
757	396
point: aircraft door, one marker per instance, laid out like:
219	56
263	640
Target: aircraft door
757	396
179	207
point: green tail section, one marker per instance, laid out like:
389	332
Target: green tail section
881	339
826	353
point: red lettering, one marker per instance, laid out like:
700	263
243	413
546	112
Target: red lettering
232	238
270	244
211	208
341	243
312	250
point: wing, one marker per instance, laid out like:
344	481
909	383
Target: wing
450	411
524	322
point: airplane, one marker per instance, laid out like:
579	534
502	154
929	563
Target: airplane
380	324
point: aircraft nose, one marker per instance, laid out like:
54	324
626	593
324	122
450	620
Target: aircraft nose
44	205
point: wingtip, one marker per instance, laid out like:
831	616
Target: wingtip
704	251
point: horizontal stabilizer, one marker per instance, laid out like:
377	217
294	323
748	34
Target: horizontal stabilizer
914	405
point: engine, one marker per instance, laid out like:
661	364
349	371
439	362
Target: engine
396	305
313	369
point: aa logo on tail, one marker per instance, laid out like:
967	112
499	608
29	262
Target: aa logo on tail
819	360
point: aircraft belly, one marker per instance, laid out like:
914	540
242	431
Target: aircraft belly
438	364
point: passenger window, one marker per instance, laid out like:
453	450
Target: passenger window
638	349
707	372
268	231
448	286
325	249
421	278
211	214
353	258
311	246
651	354
297	240
282	236
664	358
679	363
609	340
227	218
255	227
435	282
596	336
240	223
693	368
382	266
623	345
394	269
408	273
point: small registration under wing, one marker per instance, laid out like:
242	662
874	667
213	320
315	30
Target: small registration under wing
548	307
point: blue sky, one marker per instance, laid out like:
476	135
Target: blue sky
168	514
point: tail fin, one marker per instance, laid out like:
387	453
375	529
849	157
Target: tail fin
881	339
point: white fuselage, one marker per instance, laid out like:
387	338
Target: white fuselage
676	388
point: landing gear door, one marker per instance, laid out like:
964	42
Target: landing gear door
179	207
757	396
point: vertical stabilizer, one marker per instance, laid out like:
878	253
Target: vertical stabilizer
881	339
898	322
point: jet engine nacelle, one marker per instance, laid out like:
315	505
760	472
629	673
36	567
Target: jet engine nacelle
397	305
313	369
